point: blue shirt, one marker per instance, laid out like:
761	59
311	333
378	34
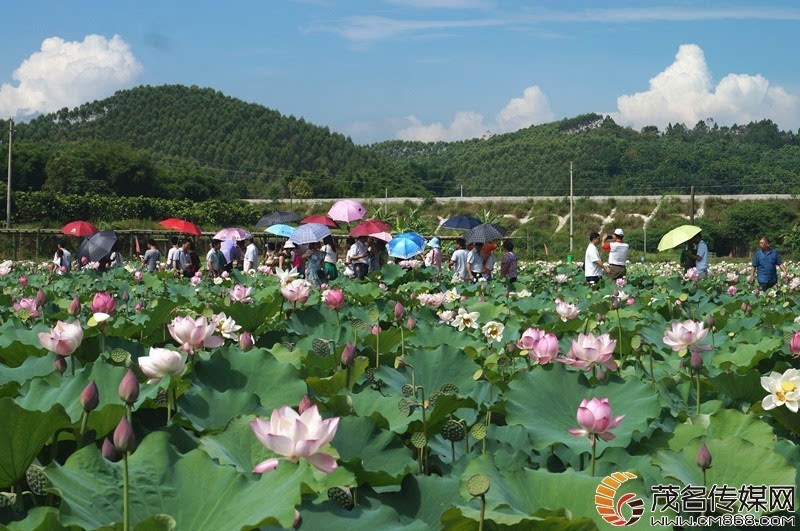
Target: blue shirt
702	252
766	265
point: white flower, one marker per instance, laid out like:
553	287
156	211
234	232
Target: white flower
162	362
5	268
561	278
285	277
493	331
218	280
451	295
784	389
566	311
101	317
448	315
465	319
226	326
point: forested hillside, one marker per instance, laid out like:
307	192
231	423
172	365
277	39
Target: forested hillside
174	141
608	159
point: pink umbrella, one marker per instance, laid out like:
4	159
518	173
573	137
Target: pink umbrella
347	210
233	234
385	236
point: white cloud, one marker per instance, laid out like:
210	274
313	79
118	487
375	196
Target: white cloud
684	92
68	73
531	108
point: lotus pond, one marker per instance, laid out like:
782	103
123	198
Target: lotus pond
400	402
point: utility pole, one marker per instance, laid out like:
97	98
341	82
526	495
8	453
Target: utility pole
462	190
8	185
571	209
386	200
691	208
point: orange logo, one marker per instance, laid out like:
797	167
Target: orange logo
612	512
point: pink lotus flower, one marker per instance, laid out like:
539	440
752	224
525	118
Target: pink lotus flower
294	435
566	311
588	351
196	281
595	419
192	334
630	301
683	335
240	293
376	330
529	338
23	281
621	282
103	302
541	346
28	304
298	290
692	275
794	344
63	339
161	362
732	290
334	298
137	276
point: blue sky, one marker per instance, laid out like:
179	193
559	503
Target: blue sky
421	69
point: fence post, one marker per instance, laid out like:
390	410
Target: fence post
14	237
37	245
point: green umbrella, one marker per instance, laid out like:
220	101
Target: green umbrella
675	237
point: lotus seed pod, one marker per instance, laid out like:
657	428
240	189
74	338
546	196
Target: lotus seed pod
37	480
342	496
453	431
478	431
408	390
434	396
7	499
418	439
320	347
478	484
449	389
120	355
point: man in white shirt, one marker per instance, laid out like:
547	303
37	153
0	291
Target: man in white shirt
173	255
475	261
360	257
592	264
458	261
250	255
617	254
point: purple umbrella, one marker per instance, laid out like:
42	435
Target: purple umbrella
347	210
233	234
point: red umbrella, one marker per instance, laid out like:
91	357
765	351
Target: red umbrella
322	220
79	228
181	226
372	226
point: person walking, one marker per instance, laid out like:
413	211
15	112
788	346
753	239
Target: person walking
593	266
250	255
331	257
360	257
184	259
508	265
434	256
152	255
475	261
766	262
617	251
213	266
172	255
699	256
458	261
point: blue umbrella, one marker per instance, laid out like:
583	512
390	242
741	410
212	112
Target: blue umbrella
413	236
309	233
404	247
280	230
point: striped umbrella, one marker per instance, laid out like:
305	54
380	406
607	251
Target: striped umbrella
485	232
309	233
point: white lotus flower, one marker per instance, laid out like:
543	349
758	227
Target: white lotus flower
784	390
493	331
162	362
226	326
285	277
465	319
451	295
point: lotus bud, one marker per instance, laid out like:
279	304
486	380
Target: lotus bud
749	308
246	342
59	364
410	323
84	260
126	296
23	281
756	292
616	293
129	388
90	397
481	299
710	321
376	330
399	312
463	297
349	354
305	403
615	304
696	361
74	306
137	276
41	298
794	344
297	518
630	301
601	375
138	308
109	452
744	306
703	458
124	439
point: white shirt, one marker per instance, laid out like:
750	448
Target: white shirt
212	257
701	265
590	268
459	260
475	259
330	254
172	255
618	254
65	261
357	249
251	257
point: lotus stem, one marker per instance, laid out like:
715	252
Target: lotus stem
619	327
355	496
698	391
452	452
652	375
594	448
125	512
402	342
377	351
170	401
483	512
347	378
704	477
84	424
128	414
103	342
72	364
419	459
466	438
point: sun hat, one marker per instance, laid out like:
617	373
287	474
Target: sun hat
619	232
289	244
434	243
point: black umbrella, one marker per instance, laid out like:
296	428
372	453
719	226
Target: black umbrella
486	232
97	246
461	223
274	218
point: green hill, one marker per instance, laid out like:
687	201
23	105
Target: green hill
174	141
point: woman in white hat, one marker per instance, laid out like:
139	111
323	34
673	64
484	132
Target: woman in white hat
434	256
